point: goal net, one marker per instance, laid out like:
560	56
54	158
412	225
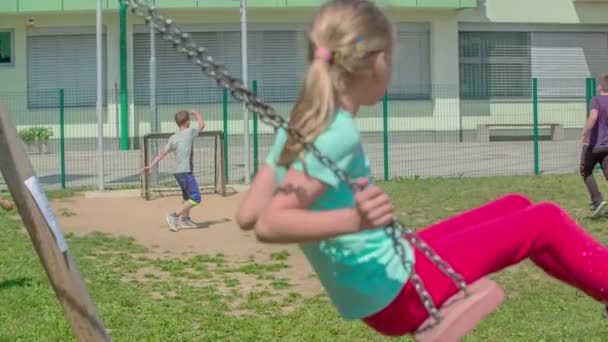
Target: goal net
206	161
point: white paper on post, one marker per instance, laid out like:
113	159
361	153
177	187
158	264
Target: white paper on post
37	192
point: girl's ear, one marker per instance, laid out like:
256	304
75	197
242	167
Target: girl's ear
381	68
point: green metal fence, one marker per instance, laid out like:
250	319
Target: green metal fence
439	134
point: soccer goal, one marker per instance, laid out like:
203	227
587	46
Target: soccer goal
206	160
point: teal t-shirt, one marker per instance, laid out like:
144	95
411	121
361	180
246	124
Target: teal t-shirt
362	272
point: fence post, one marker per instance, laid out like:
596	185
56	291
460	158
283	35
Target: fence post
591	92
588	95
535	114
124	92
385	133
225	114
254	87
593	86
594	94
62	135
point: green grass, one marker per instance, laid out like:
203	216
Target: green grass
54	194
210	298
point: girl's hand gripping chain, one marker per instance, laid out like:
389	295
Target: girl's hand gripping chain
374	205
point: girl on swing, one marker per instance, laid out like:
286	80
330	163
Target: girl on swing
351	44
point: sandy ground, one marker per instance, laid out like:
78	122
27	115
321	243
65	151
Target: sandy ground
145	222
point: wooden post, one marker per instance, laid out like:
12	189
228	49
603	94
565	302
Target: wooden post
46	236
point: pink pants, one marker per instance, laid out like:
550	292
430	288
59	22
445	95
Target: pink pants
490	238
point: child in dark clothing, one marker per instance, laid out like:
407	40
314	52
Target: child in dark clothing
595	146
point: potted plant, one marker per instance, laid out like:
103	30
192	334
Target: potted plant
43	134
36	136
28	138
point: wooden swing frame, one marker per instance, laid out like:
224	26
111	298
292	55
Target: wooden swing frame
47	238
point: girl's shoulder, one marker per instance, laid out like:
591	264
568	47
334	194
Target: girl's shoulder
342	129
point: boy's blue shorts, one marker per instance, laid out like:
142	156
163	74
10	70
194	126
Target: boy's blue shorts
190	190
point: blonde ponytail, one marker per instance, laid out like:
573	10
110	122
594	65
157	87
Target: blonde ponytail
313	110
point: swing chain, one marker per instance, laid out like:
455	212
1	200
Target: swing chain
198	55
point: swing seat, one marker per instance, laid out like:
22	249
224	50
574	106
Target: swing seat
461	314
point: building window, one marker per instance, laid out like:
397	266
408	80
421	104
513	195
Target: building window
6	48
411	74
178	81
501	65
65	61
495	65
277	61
562	60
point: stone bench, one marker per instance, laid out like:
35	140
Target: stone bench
484	130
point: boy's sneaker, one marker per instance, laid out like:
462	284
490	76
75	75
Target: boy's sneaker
596	208
172	221
187	223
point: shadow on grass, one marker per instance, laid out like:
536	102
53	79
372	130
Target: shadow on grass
20	282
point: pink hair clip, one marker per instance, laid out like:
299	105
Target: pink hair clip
323	53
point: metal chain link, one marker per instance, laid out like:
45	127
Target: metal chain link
183	43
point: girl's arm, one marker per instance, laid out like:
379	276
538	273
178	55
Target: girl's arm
256	198
286	219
